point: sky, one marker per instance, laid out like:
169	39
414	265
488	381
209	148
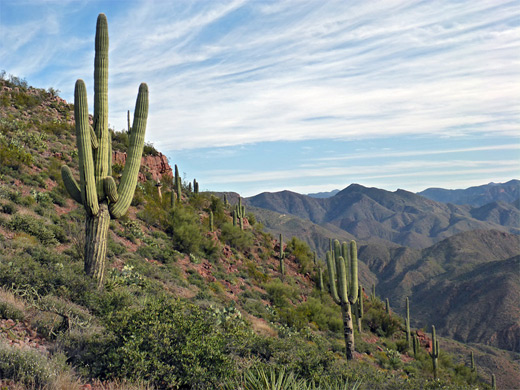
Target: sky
302	95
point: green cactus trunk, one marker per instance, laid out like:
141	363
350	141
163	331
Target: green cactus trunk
211	221
408	336
473	367
234	218
415	346
346	292
359	309
434	354
493	382
282	256
97	190
387	306
320	278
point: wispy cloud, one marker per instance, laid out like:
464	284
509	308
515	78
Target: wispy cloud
226	73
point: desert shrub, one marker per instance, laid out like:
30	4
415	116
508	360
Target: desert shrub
325	317
281	294
29	225
29	367
9	208
303	254
172	343
236	238
10	307
58	128
380	322
13	156
187	235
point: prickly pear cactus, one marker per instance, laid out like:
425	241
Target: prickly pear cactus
97	190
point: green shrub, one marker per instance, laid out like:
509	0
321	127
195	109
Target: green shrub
28	367
30	225
9	208
235	237
303	254
172	343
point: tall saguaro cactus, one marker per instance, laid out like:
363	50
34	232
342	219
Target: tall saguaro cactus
282	256
97	190
407	323
434	354
345	293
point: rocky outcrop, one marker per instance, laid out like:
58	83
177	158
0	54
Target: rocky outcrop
152	167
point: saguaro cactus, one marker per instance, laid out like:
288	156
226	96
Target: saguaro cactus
210	221
177	183
282	256
345	293
473	367
387	306
434	354
407	320
97	190
416	346
359	309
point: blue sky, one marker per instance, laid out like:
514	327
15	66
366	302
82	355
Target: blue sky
253	96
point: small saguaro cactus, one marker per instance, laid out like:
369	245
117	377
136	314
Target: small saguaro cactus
241	223
282	256
493	382
226	203
97	191
346	292
178	188
416	346
407	323
234	218
434	354
195	186
373	296
359	308
210	221
387	306
472	362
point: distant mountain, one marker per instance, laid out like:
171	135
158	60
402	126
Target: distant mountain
321	195
400	217
467	285
476	196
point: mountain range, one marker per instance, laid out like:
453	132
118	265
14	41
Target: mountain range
399	217
476	196
458	263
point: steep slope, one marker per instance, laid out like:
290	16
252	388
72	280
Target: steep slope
467	285
478	195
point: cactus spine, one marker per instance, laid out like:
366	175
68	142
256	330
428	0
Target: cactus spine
282	256
97	190
407	321
345	293
434	354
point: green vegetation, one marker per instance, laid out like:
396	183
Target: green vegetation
97	190
185	303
